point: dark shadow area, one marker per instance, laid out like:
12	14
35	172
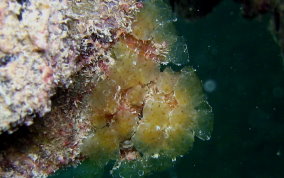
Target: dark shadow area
191	9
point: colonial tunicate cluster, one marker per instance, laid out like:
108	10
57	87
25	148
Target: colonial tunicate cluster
142	117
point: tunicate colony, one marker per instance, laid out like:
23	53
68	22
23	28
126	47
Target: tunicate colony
144	117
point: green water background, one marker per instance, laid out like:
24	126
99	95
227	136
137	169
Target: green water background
241	58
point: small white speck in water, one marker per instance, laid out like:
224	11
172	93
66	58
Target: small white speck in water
140	173
210	86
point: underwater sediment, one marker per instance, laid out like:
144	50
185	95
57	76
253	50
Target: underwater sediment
118	103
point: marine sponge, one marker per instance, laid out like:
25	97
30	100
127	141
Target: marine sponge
143	117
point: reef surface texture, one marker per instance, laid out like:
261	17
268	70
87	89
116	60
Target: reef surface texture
44	42
49	47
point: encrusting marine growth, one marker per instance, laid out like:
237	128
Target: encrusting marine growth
143	117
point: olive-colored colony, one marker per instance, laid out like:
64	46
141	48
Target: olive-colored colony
143	117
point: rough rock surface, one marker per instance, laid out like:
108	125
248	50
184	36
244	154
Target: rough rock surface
52	47
44	42
50	143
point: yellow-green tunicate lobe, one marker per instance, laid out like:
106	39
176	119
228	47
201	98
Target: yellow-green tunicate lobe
144	118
